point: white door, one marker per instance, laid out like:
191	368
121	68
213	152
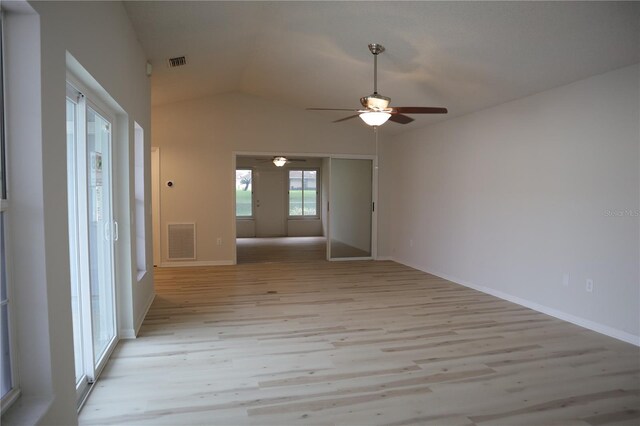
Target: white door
270	203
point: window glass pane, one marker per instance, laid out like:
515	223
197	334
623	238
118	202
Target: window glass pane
3	180
295	192
76	313
3	262
310	192
244	190
100	246
5	364
141	254
5	351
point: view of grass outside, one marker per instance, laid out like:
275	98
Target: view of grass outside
244	189
303	193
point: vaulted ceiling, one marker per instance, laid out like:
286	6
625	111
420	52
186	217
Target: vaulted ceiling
462	55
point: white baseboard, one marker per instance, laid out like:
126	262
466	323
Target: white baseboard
127	333
582	322
144	312
132	333
384	258
197	263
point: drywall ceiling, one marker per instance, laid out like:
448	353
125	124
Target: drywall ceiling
462	55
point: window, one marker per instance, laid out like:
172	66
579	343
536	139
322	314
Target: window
8	385
141	255
244	193
303	193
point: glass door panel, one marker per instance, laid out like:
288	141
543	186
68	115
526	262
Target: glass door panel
92	233
350	217
100	232
72	199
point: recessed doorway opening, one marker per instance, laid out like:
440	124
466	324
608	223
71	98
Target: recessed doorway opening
304	207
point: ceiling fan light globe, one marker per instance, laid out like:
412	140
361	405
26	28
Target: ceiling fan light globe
375	118
279	161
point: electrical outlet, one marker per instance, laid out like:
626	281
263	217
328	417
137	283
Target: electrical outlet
219	241
565	280
589	286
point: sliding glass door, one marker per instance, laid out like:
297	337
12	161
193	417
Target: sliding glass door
351	209
101	232
92	233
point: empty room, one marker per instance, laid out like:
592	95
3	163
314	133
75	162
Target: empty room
319	212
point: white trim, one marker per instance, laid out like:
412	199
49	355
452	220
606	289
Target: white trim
582	322
127	334
234	226
180	264
318	171
385	258
343	259
132	333
144	312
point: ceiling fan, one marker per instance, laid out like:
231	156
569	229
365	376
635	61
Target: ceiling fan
280	160
375	109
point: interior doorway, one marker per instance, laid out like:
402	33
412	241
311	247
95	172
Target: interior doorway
279	209
328	199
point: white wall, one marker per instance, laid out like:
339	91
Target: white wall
511	198
99	35
198	139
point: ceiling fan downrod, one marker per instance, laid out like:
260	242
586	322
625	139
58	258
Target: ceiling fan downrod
376	49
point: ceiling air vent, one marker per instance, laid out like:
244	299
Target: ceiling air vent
178	61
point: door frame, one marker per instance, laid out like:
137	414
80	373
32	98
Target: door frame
374	193
96	103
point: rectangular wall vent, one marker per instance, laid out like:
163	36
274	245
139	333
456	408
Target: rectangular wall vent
178	61
182	241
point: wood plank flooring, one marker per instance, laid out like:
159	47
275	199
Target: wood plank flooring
356	343
280	249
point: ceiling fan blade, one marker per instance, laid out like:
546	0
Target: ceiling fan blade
296	160
420	110
332	109
346	118
400	118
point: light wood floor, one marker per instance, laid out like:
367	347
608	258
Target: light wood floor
291	249
356	343
280	249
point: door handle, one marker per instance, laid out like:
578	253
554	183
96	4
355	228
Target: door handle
107	231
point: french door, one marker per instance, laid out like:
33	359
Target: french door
92	234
